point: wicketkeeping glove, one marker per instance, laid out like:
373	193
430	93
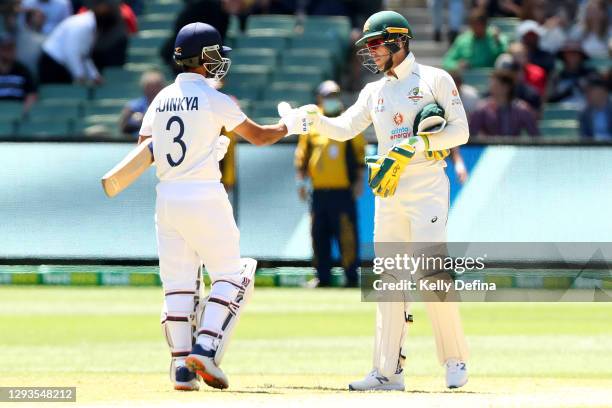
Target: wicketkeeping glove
387	170
373	163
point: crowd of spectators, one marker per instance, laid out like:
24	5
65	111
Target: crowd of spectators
550	58
61	41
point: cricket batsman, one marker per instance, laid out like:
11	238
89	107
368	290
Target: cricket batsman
417	116
193	216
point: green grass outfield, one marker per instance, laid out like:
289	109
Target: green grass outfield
299	347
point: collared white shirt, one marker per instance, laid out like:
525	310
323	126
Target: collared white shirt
71	44
391	105
185	121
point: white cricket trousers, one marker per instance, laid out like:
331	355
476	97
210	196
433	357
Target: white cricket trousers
195	224
416	213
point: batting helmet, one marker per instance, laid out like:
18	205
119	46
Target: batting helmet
387	28
200	44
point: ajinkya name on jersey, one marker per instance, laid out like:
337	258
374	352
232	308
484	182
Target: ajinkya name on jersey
177	104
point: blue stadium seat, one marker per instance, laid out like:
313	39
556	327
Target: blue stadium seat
45	128
310	57
282	24
117	91
64	91
297	73
339	26
254	56
157	21
555	112
283	91
10	110
165	7
262	41
105	106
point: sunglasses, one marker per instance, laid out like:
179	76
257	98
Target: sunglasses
377	42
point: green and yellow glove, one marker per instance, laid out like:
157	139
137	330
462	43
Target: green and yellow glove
385	172
373	163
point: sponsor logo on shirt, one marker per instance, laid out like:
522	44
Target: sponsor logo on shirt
398	119
380	106
401	133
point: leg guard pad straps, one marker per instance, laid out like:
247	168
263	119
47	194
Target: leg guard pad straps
223	307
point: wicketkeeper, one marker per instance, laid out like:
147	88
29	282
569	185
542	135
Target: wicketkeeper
418	116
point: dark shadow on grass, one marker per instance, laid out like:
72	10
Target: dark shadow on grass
243	391
447	392
312	388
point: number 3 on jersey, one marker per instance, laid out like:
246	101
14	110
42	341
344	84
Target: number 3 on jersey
178	140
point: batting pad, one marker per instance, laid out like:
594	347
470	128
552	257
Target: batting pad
448	331
222	308
391	331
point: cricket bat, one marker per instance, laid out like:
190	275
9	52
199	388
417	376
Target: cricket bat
129	169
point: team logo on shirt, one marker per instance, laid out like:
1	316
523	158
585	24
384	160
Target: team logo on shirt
415	94
398	119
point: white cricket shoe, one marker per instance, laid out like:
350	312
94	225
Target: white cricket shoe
202	362
376	382
456	373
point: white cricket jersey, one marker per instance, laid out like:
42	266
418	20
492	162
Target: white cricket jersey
392	104
185	121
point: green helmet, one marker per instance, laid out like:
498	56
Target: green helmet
388	25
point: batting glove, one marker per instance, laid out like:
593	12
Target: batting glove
221	147
298	121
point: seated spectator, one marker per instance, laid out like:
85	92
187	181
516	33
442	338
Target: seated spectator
276	6
476	48
594	30
455	18
529	33
568	85
468	94
499	8
596	118
30	40
67	53
529	73
127	14
507	64
131	117
16	83
55	11
110	47
501	114
554	19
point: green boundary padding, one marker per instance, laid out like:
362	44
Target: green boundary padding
91	275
